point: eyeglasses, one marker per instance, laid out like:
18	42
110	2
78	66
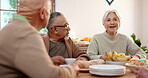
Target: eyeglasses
65	25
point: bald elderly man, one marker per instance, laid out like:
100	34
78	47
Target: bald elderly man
22	50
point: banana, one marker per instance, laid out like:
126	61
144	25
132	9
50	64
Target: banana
114	53
113	56
110	55
121	55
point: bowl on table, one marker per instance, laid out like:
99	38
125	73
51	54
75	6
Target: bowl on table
64	65
132	67
70	60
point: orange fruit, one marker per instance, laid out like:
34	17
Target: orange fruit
87	39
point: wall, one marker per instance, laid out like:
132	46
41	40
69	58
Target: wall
85	16
145	22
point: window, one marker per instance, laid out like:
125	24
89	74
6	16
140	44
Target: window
7	9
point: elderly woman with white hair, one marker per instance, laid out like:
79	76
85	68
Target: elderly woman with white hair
111	40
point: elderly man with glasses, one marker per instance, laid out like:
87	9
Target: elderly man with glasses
58	44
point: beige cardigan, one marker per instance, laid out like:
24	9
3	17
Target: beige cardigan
72	49
23	54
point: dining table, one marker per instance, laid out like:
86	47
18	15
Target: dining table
86	74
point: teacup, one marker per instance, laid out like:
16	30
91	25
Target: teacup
64	65
70	60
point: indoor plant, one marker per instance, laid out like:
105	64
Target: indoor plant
138	42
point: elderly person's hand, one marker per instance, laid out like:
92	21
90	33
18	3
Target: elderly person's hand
141	72
135	57
58	60
104	57
76	66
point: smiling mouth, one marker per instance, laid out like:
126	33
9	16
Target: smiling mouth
112	27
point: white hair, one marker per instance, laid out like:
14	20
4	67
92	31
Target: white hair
108	12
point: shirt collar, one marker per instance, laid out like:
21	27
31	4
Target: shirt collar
111	37
20	17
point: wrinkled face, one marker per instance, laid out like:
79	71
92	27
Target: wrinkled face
111	23
61	27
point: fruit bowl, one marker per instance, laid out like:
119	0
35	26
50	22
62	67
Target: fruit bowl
117	57
132	67
116	63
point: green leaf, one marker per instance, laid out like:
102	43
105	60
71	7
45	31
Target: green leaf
133	36
138	42
5	20
144	48
13	4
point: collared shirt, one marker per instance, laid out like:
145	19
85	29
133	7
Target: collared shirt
20	17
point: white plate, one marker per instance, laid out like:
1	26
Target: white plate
115	63
106	67
103	74
107	70
84	69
